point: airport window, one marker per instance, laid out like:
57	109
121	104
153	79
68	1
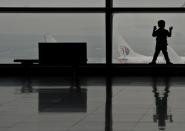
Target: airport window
149	3
96	29
132	37
52	3
22	32
104	96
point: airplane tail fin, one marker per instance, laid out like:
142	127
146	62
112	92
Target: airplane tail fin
124	50
49	38
174	57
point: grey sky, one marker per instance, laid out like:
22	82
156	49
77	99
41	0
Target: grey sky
61	24
62	3
68	24
149	3
95	3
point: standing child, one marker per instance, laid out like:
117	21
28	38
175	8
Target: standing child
161	35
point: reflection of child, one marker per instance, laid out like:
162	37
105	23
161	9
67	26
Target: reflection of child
161	35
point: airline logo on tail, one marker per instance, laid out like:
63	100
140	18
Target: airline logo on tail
125	50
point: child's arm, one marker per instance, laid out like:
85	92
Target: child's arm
154	31
170	31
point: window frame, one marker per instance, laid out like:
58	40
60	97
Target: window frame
108	10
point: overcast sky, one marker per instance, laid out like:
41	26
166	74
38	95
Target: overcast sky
66	23
62	3
59	24
121	3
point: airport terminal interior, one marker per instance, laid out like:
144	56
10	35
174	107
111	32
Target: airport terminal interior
78	65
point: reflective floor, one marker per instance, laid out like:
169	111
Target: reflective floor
98	104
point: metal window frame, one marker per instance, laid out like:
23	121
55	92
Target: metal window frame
108	10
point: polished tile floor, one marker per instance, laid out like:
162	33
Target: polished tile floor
50	104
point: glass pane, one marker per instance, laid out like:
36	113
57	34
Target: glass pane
149	3
133	41
52	3
20	34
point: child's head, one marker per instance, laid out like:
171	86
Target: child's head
161	23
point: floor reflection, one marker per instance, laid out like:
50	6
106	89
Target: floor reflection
161	100
63	100
124	104
27	86
108	104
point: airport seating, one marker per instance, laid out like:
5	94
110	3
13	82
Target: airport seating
27	61
58	54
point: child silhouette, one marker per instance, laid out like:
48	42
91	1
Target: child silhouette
161	35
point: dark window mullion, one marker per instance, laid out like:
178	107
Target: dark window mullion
52	10
148	10
108	32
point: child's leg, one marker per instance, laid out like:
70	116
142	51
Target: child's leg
157	51
164	50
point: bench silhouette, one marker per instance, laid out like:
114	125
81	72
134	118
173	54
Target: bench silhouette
59	54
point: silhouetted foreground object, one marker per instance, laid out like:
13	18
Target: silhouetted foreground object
161	35
62	54
63	100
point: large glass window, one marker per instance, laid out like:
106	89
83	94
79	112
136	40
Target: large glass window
52	3
133	41
20	34
149	3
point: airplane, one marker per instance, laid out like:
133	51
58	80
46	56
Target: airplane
49	38
128	55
